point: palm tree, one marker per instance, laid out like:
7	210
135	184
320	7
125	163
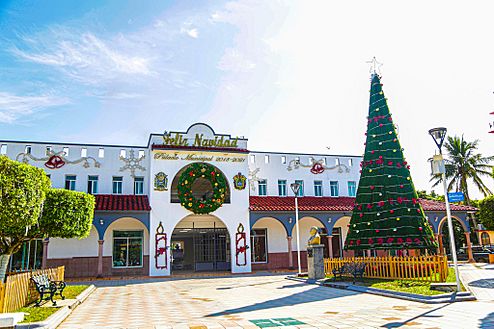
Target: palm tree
464	165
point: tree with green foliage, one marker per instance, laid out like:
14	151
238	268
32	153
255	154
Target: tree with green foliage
30	209
464	164
486	212
432	196
387	213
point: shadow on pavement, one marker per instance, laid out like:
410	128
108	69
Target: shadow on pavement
404	323
317	293
483	283
487	322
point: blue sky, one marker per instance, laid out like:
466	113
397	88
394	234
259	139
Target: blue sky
289	75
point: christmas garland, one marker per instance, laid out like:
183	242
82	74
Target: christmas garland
187	178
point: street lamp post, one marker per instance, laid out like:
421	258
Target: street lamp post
438	134
295	188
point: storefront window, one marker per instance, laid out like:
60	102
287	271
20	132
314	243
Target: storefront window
259	243
28	257
127	248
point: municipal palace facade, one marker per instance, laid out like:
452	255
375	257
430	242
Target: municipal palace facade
197	201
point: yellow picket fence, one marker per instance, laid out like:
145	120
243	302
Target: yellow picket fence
416	268
19	291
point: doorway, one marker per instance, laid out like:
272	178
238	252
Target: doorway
200	246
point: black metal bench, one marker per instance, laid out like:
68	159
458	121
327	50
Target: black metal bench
357	270
47	288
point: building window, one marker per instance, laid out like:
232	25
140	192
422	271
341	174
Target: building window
66	151
259	243
333	187
282	187
92	184
83	152
485	239
101	152
28	149
127	248
140	154
70	182
301	189
350	162
337	162
262	187
29	257
266	159
252	158
318	188
323	161
352	189
3	149
283	159
123	153
117	184
48	150
138	185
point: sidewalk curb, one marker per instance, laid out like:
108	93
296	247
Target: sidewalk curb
435	299
54	320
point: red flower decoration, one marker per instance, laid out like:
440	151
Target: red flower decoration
399	199
390	163
390	240
361	215
409	240
391	211
401	186
372	187
380	240
358	242
380	203
377	231
399	240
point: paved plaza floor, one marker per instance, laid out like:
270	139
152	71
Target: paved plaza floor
238	301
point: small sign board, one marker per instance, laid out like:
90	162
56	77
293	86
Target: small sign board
456	197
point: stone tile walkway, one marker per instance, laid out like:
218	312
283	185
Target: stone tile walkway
480	279
230	302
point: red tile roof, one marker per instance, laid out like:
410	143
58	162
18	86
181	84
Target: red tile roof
311	203
115	202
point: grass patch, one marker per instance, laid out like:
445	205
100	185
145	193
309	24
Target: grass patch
35	314
408	286
71	292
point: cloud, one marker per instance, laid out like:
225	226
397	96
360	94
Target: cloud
87	58
14	107
235	61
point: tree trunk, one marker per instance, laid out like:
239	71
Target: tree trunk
4	263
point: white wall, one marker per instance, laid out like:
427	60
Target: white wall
170	214
66	248
277	241
275	170
305	224
110	164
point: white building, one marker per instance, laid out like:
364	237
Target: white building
143	225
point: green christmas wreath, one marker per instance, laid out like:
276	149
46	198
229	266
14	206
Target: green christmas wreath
187	178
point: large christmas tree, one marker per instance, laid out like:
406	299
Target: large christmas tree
387	213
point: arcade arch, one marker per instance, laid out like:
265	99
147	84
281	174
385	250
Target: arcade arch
200	243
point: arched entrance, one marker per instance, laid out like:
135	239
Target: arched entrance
462	239
200	243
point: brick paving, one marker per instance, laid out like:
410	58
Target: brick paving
230	302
